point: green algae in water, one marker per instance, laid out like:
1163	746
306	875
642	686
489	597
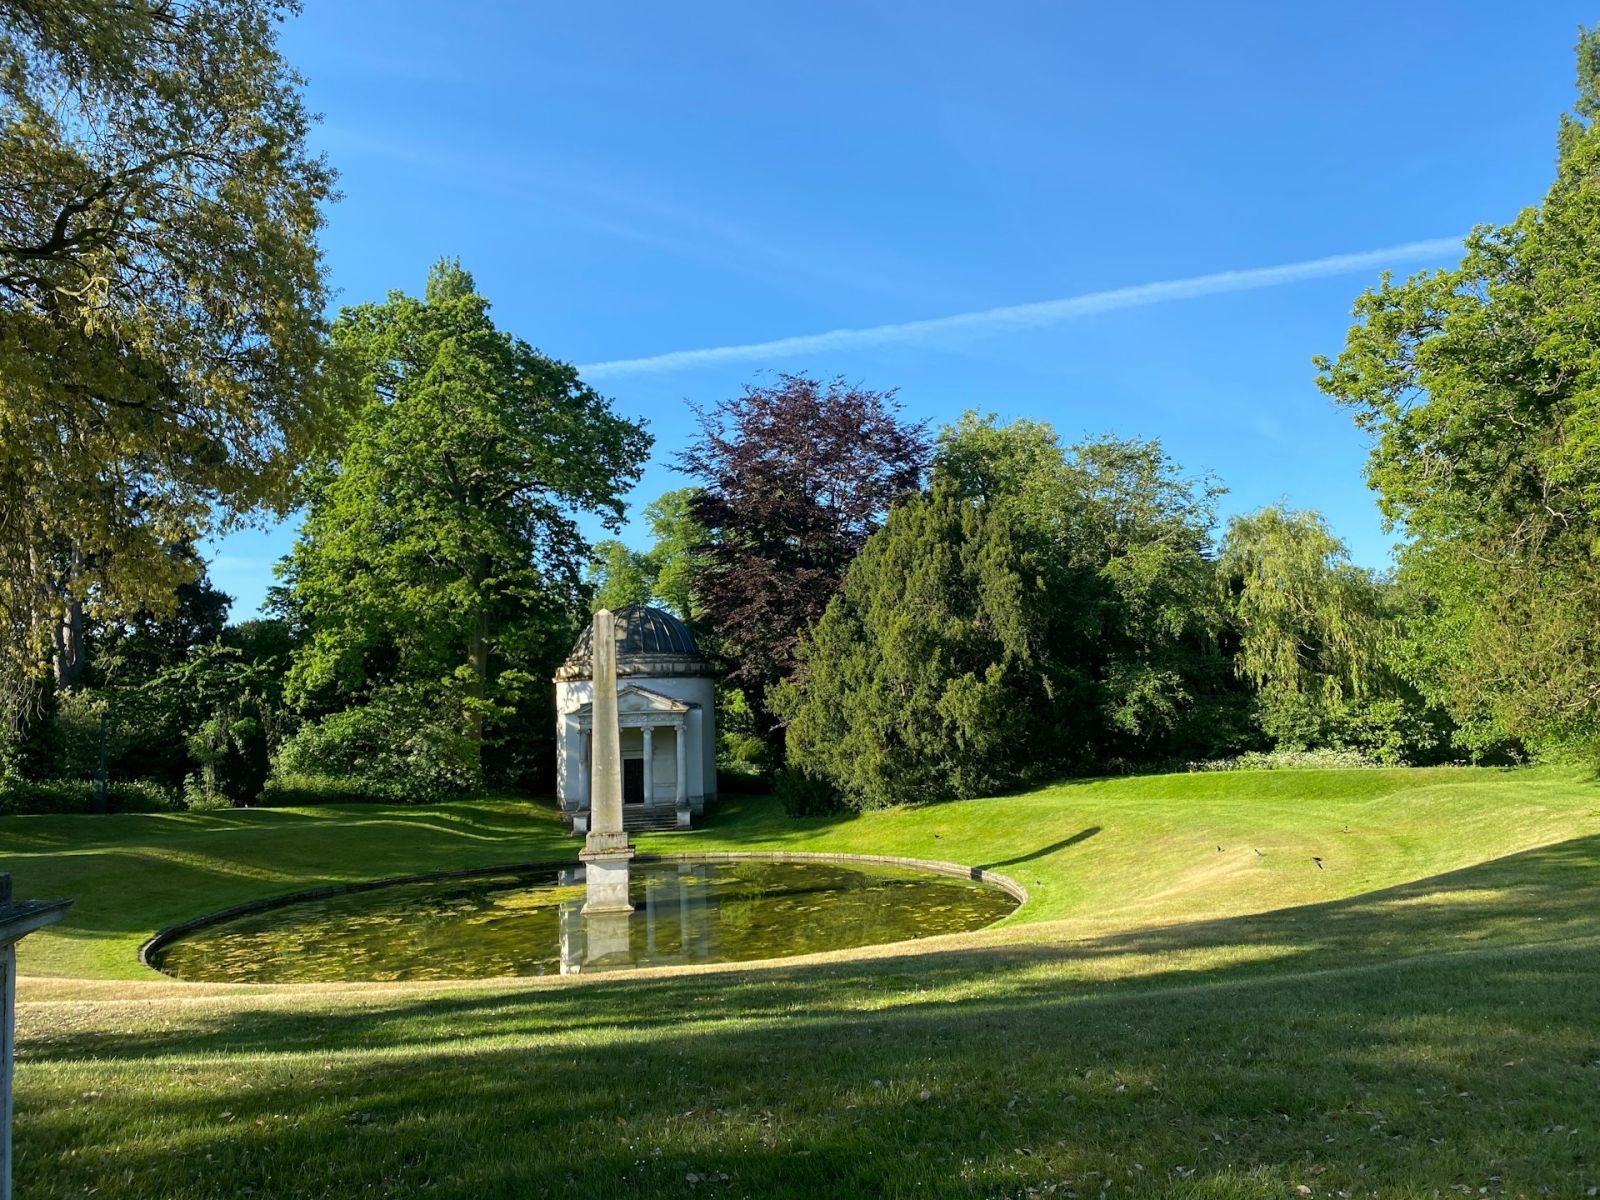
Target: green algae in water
528	923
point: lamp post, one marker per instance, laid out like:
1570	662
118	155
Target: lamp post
18	918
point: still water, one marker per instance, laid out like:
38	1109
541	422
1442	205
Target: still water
528	923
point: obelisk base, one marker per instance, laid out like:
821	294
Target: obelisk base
607	938
606	873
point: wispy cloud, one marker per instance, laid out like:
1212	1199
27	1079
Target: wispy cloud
1027	316
633	210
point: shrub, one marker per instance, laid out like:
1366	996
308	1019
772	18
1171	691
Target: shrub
67	796
1395	730
231	749
738	781
285	790
803	796
1289	760
396	745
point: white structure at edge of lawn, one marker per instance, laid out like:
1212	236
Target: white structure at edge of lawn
666	706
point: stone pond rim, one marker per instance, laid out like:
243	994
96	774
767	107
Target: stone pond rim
163	937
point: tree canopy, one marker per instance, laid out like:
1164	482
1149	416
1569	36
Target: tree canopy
665	574
442	549
794	477
163	359
928	675
1480	385
1309	620
1121	541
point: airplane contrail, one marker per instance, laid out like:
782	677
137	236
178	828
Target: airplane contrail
1028	316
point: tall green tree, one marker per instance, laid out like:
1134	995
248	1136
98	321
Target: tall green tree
442	549
664	574
927	677
1311	623
163	358
1321	641
1121	539
1480	387
619	576
677	541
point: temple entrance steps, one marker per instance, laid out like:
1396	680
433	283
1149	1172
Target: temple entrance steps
640	819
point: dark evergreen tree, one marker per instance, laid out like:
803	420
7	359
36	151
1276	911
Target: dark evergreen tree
1121	539
928	677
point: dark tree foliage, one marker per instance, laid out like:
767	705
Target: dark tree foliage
794	478
137	676
178	700
1121	542
929	675
155	640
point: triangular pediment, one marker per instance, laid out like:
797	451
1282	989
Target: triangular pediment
633	699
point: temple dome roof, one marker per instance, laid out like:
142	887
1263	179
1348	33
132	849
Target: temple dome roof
650	641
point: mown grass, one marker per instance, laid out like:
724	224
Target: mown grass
1417	1016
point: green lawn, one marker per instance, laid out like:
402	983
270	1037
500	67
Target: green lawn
1416	1016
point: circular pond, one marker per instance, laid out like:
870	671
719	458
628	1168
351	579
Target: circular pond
527	922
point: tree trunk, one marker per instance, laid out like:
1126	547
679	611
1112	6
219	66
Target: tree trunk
478	682
69	645
67	635
477	573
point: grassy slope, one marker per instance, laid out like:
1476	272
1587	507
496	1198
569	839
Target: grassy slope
1439	1035
1106	853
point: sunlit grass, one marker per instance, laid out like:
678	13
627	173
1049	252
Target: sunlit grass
1415	1017
1104	854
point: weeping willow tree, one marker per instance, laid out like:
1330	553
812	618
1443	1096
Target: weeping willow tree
1310	622
1317	637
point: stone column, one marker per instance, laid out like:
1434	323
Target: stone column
606	851
607	935
680	800
697	737
16	922
682	796
649	766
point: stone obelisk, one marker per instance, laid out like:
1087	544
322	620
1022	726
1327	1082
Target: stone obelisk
606	851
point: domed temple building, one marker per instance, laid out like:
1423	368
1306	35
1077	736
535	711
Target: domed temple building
666	708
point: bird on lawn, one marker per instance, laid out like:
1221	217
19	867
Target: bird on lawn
1318	861
1258	853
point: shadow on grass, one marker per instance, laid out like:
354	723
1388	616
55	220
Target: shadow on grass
186	872
1082	835
1536	897
1438	1036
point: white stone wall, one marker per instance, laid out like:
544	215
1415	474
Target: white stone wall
700	729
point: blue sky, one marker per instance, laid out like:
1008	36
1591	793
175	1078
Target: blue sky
628	181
